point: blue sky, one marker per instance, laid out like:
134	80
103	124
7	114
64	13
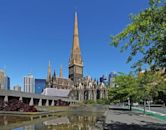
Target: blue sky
33	32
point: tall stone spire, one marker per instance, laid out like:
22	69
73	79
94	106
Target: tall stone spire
76	46
75	62
61	73
75	57
49	72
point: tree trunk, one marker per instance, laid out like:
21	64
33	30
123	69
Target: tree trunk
144	106
131	102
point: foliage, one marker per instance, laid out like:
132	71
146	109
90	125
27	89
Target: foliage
146	35
145	86
89	102
162	90
16	105
150	84
126	86
103	101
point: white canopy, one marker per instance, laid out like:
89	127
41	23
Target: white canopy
56	92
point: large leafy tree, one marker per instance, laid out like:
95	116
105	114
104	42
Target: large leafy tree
161	87
126	88
150	83
146	34
141	88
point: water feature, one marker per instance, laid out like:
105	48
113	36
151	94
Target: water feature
76	120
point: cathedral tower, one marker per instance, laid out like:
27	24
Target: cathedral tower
75	62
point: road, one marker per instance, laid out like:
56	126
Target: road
157	109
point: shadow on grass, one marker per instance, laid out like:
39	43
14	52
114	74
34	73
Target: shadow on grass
124	126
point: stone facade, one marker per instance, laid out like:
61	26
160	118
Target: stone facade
88	89
84	89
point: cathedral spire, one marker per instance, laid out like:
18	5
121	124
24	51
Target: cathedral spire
76	26
75	57
61	73
49	72
75	61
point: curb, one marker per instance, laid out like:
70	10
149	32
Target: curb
158	115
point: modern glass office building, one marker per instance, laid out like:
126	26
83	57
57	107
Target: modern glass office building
40	85
29	83
8	83
111	78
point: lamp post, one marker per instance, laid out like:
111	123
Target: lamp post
142	86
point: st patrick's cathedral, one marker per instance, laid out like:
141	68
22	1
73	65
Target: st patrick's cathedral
81	88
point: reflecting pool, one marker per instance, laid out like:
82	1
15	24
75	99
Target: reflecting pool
60	121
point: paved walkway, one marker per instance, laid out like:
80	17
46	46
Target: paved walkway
126	120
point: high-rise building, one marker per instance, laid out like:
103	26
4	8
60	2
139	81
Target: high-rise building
111	78
4	81
40	85
7	83
17	88
29	83
75	61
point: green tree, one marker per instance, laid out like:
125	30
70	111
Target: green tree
146	35
151	83
147	83
161	90
126	88
141	88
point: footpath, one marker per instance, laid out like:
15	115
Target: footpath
122	119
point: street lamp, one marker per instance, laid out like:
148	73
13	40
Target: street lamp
142	86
